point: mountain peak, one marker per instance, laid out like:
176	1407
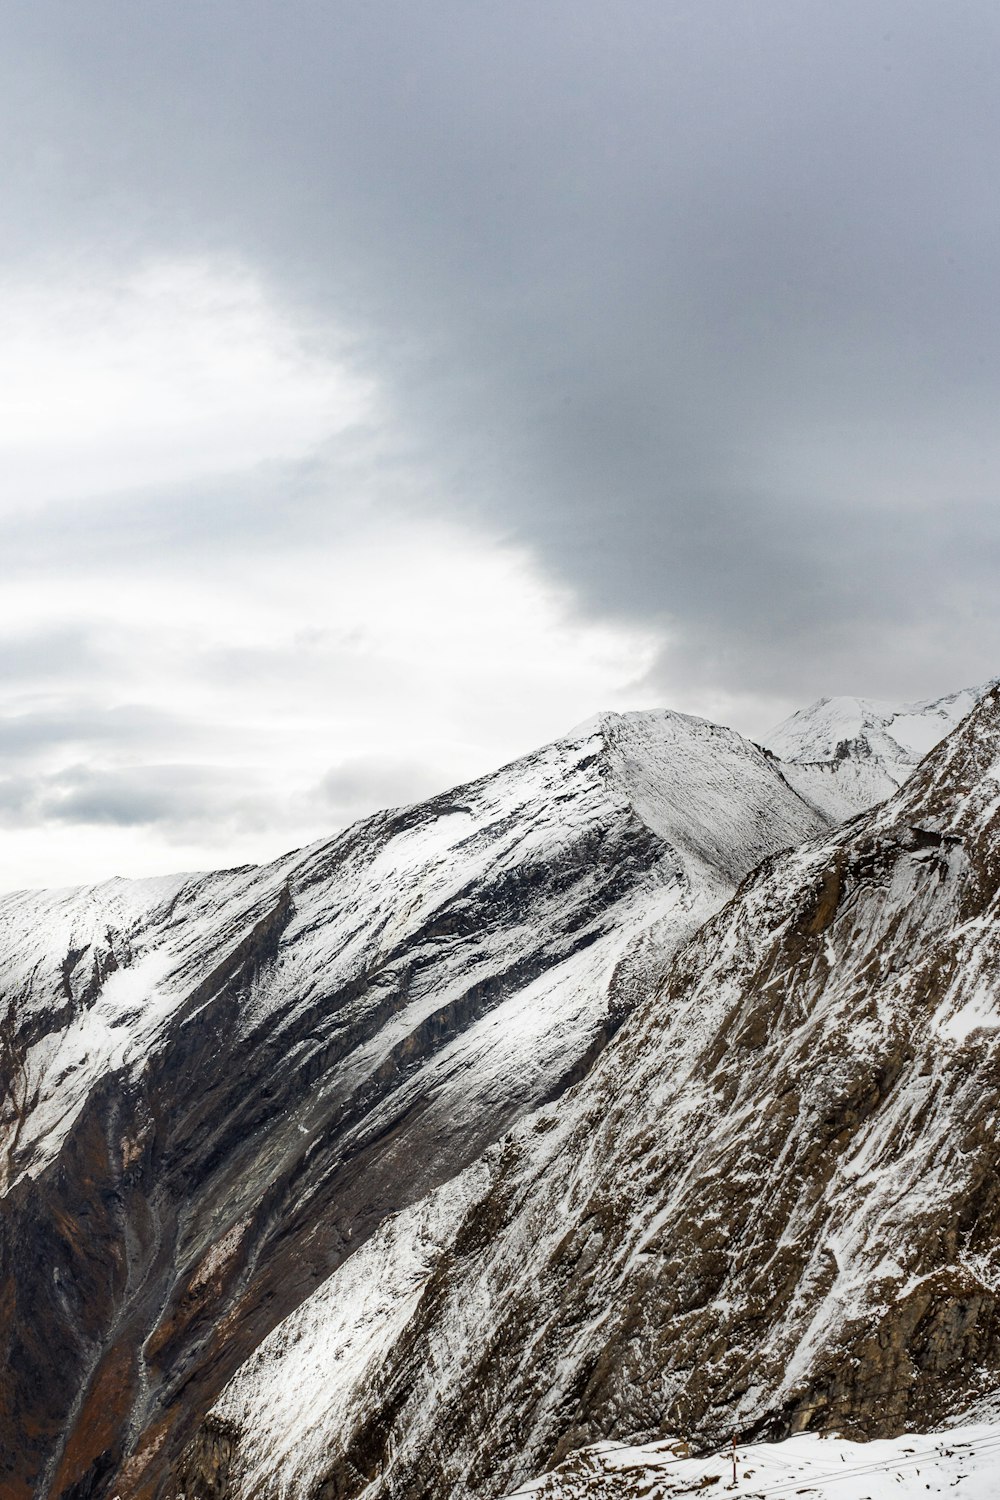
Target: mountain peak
899	735
845	754
704	789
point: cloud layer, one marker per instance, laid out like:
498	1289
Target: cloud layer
680	318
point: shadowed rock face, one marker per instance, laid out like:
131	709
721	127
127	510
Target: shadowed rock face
216	1088
773	1205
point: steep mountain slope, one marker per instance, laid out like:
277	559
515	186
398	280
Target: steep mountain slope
216	1088
772	1206
846	754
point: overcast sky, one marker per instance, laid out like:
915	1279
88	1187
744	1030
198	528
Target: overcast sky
385	387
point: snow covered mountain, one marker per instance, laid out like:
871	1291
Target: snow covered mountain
216	1088
846	754
771	1206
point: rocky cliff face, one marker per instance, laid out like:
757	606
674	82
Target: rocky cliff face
216	1088
771	1206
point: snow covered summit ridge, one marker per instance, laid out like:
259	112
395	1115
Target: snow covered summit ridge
899	735
846	754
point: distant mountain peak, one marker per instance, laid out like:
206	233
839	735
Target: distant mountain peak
844	754
898	734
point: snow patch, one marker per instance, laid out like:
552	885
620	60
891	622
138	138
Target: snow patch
963	1463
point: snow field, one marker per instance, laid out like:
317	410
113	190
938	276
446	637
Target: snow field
963	1463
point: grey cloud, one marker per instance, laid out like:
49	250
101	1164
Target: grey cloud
180	801
40	655
127	727
181	798
17	800
134	795
672	293
273	508
365	784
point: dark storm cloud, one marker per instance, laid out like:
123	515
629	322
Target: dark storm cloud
696	300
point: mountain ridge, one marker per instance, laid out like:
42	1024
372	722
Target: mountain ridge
229	1096
830	1262
845	754
217	1086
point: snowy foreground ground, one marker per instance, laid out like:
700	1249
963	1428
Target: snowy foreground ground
963	1463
